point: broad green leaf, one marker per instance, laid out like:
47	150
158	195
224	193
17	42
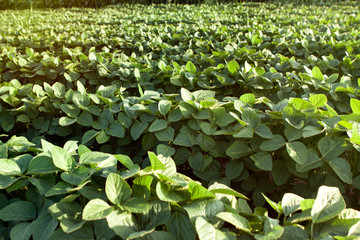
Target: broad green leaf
264	131
117	189
297	151
316	73
164	107
280	172
96	209
85	119
223	189
206	231
248	98
43	183
251	117
41	164
122	223
18	211
180	226
157	215
293	233
355	105
158	125
66	121
166	194
237	150
137	129
342	168
233	169
186	95
165	135
9	167
274	144
301	104
156	164
331	148
96	157
290	203
235	219
233	67
44	226
60	188
262	160
136	205
89	135
84	233
62	159
328	204
205	208
102	230
116	130
190	67
22	231
199	192
318	100
245	132
6	181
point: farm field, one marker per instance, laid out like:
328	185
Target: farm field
233	121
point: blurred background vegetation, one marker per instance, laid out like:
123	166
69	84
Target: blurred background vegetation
27	4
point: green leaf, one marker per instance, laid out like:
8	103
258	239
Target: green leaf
235	219
297	151
137	129
96	157
85	119
237	150
328	204
233	67
156	164
318	100
102	230
165	135
157	125
96	209
22	231
180	226
44	226
206	231
262	160
355	105
18	211
223	189
117	190
316	73
9	167
342	168
301	104
233	169
89	135
41	164
116	130
62	159
136	205
274	144
190	67
264	131
199	192
122	223
331	147
280	172
245	132
58	189
166	194
251	117
84	233
66	121
43	183
290	203
164	106
293	233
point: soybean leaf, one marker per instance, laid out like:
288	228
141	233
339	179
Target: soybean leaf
262	160
122	223
18	211
328	204
96	209
342	168
117	189
22	231
271	145
297	151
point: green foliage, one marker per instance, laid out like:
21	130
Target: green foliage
104	120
